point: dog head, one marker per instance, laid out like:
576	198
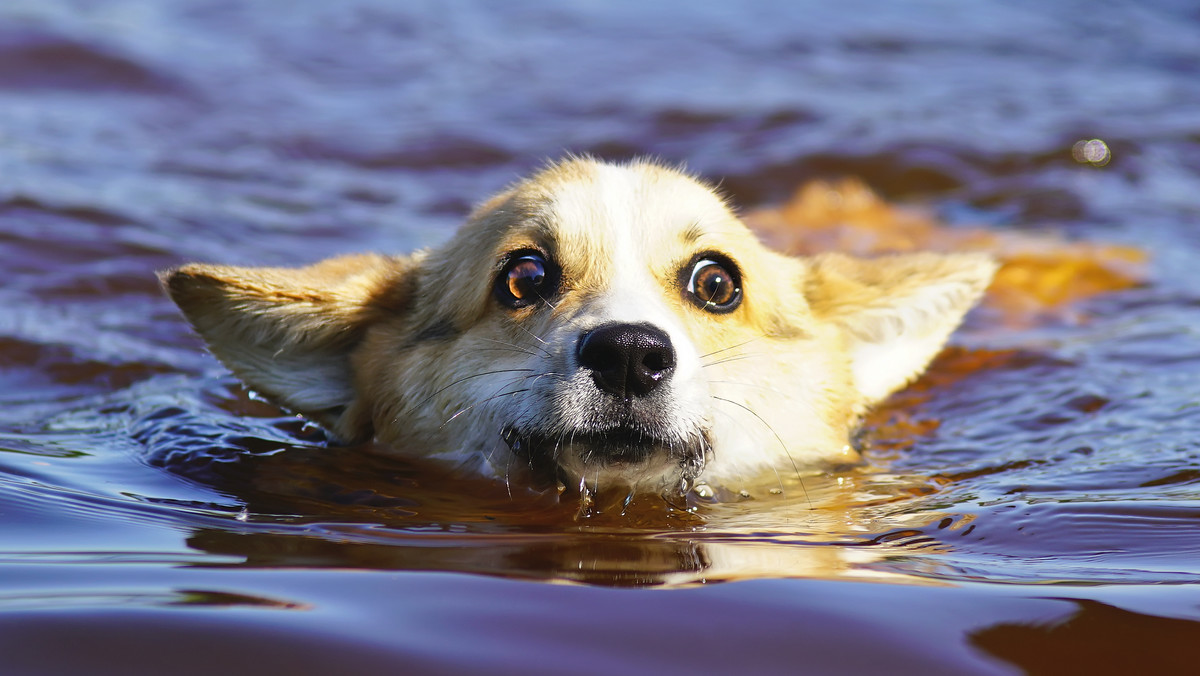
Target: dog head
616	324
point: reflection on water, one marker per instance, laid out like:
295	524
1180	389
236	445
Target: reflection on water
1053	449
933	504
1096	638
350	507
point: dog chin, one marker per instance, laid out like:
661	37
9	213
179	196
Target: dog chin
618	456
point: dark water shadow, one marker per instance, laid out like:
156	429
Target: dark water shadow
1096	639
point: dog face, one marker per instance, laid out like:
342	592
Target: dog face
611	324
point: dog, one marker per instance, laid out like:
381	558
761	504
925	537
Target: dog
606	324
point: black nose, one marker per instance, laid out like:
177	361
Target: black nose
628	360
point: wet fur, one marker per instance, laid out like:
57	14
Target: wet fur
416	352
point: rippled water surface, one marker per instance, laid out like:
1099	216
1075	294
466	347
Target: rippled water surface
1032	505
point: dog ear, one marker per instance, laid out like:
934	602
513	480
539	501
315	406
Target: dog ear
895	312
288	333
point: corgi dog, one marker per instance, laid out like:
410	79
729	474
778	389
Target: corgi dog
611	324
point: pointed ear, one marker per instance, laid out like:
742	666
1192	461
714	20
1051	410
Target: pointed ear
288	332
895	312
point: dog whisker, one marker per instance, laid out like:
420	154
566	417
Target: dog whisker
480	402
734	347
508	475
558	446
757	386
506	349
547	301
738	423
736	357
788	453
520	348
491	454
533	335
549	374
481	374
500	394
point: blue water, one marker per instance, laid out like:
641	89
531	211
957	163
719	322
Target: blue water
155	518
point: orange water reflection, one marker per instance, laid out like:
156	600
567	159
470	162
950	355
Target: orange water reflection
1041	274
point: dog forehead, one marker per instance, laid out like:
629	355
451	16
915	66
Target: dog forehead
609	219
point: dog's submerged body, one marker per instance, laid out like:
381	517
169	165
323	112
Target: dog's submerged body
616	324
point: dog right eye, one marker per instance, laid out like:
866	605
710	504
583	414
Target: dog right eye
714	284
525	279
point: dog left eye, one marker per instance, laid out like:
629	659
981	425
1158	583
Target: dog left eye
714	286
524	280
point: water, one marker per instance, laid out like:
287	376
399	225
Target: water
1031	506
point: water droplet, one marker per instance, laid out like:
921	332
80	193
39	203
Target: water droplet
704	490
1091	151
685	485
510	436
776	491
587	500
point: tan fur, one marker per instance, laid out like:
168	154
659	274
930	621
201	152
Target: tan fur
417	352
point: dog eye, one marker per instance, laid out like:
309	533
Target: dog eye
714	287
525	279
